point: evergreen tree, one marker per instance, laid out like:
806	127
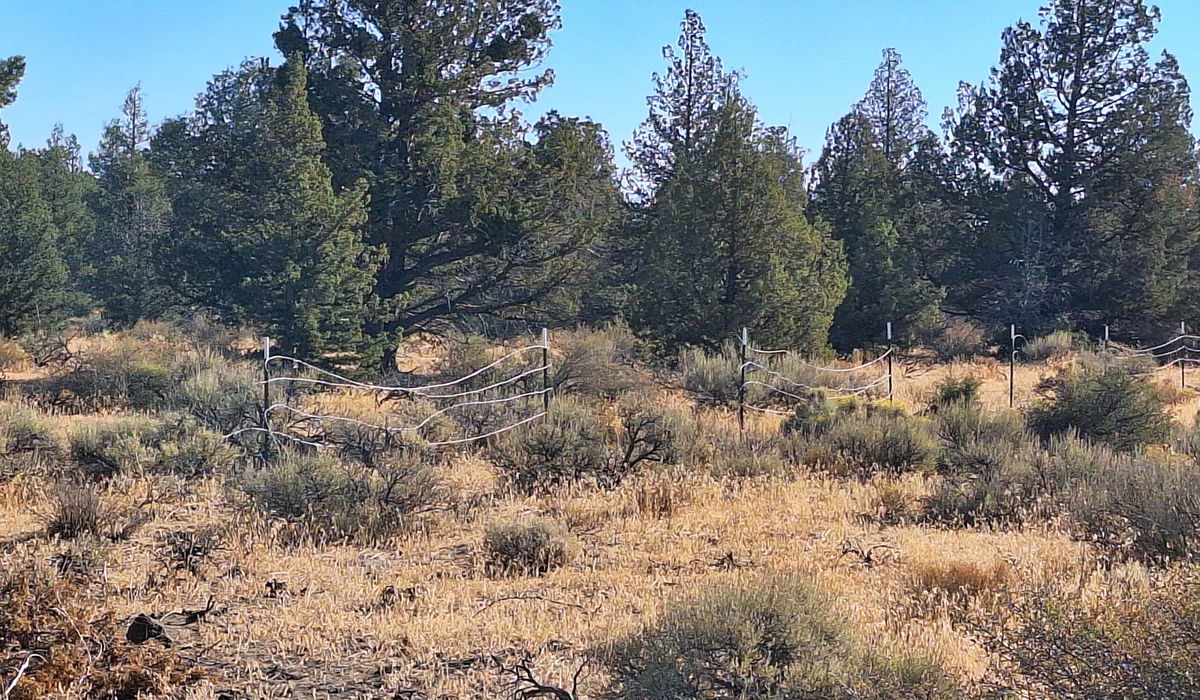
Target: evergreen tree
879	213
724	241
32	274
67	187
262	236
1088	139
414	98
131	211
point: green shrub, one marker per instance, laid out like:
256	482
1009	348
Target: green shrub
132	371
965	425
528	547
566	447
778	639
1046	643
333	499
866	444
189	450
992	482
595	362
1115	408
23	429
1145	506
223	396
953	390
1051	346
746	457
712	378
122	445
954	339
816	415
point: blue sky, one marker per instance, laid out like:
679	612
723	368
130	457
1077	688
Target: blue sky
806	61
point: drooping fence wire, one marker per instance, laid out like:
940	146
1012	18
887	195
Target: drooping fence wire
774	382
456	389
1180	349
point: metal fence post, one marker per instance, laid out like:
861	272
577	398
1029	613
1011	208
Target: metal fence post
1012	365
266	394
891	386
1104	354
1183	355
545	369
742	387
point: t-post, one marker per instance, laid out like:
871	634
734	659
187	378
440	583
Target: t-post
891	387
546	369
1012	364
745	343
1183	355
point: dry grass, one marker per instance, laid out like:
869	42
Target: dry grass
421	610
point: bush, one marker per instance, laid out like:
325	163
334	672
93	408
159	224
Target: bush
1145	506
745	457
651	433
23	429
1052	346
565	447
120	445
530	548
778	639
1047	643
715	379
336	499
962	426
12	356
136	371
955	339
595	362
993	483
866	444
952	391
223	396
1115	408
78	511
189	450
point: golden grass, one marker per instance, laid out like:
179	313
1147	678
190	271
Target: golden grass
331	628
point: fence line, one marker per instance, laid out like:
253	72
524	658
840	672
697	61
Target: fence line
333	379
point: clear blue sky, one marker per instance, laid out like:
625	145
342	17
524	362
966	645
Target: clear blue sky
806	61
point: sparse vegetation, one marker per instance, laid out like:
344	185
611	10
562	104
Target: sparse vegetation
528	547
1113	407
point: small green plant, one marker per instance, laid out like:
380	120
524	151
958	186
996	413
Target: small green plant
953	390
186	449
595	362
1115	408
223	396
121	445
528	547
712	378
781	638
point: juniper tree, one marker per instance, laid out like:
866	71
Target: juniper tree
32	274
414	98
131	209
722	235
262	237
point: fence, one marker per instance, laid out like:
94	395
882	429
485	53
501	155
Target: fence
749	367
456	392
1177	352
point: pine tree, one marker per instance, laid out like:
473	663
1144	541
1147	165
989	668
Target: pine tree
67	187
131	211
1078	118
723	239
32	274
895	109
264	237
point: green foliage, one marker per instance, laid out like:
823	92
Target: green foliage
721	229
712	377
268	238
1116	125
23	429
956	339
952	390
188	450
125	255
565	447
1045	642
781	638
868	443
1113	407
32	272
330	499
528	547
223	396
